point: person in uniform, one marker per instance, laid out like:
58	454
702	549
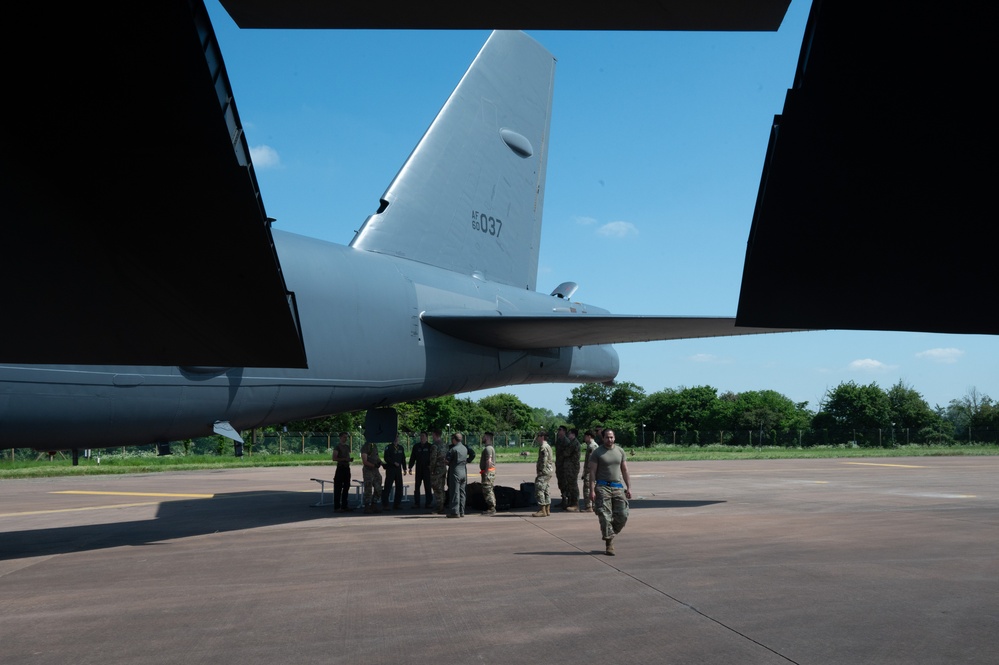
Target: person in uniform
457	475
341	478
570	472
559	449
395	463
438	470
419	459
371	472
545	469
487	470
609	469
590	446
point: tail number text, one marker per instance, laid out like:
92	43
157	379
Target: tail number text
486	223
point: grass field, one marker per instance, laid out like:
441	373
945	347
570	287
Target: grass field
148	462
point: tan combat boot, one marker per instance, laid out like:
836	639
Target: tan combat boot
542	512
610	546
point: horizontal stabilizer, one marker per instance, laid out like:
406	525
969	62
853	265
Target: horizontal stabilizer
556	329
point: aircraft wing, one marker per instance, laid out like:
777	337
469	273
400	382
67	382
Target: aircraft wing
554	329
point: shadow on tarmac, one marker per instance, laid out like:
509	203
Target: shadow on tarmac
225	512
174	519
668	503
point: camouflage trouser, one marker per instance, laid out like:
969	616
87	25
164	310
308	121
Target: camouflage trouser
438	478
541	490
488	482
587	486
611	509
570	490
372	484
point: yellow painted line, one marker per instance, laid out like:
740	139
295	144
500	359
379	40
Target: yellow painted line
74	510
160	494
901	466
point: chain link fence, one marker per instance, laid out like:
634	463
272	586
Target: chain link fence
317	443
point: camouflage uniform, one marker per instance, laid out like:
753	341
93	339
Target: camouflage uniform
570	475
546	467
438	472
487	470
372	475
559	449
587	481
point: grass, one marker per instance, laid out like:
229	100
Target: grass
147	462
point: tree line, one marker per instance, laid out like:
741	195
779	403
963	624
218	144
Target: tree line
864	415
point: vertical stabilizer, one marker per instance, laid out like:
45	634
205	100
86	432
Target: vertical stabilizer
469	198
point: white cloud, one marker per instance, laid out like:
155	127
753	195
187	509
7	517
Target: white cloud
584	221
618	229
870	365
708	358
949	355
264	157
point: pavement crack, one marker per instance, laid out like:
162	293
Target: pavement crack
702	614
602	558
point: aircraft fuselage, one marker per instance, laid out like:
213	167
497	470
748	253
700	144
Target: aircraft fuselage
365	343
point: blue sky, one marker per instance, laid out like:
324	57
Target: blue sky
657	146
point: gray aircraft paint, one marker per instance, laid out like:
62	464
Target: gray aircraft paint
423	303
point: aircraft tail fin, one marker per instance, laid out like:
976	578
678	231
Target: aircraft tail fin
470	196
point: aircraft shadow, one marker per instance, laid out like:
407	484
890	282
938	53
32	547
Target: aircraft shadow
636	504
174	519
632	504
564	553
668	503
228	512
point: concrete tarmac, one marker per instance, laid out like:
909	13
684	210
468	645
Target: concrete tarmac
888	560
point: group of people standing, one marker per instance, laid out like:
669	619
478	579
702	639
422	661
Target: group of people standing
441	473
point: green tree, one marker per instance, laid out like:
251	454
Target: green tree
610	406
972	411
589	405
338	422
508	412
686	409
410	417
439	413
473	417
941	432
765	410
855	412
546	419
908	408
